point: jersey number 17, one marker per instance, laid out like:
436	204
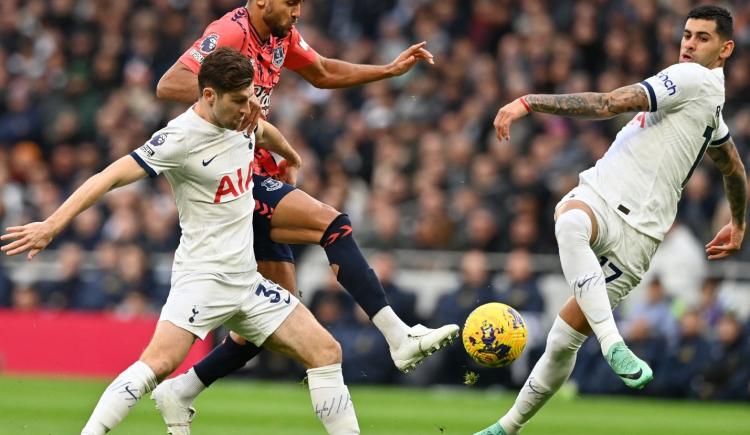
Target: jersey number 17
707	134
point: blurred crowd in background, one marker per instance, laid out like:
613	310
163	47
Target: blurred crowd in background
413	160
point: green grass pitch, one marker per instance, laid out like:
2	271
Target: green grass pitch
45	406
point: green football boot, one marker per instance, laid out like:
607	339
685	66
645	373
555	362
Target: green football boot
631	369
495	429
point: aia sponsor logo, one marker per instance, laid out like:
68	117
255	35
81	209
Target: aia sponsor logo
234	185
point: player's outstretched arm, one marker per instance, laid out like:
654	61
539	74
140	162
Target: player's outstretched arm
729	239
269	137
333	73
35	236
591	105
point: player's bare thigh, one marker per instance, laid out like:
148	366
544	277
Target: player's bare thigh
302	338
167	349
301	219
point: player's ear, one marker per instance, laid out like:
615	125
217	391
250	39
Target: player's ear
209	95
727	48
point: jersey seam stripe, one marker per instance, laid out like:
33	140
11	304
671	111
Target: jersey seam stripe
651	95
720	141
143	164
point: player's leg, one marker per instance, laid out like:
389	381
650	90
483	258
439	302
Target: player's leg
232	354
271	317
199	303
302	338
570	328
576	229
276	263
568	333
300	218
168	348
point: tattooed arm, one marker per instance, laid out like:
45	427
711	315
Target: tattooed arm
729	239
593	105
590	105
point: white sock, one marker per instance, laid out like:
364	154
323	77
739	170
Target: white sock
121	395
548	375
391	326
331	400
187	386
585	275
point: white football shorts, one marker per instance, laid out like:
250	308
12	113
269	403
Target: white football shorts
624	252
246	303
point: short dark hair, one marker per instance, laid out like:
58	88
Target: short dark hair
225	69
722	17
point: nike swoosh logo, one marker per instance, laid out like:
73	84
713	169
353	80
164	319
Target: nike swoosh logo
206	163
127	390
583	282
632	376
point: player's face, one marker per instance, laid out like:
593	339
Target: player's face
281	15
230	108
703	45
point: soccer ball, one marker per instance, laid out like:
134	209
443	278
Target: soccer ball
494	335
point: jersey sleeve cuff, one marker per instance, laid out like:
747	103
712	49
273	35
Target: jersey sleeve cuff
190	62
722	141
151	173
651	95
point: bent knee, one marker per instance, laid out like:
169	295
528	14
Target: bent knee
327	214
161	365
327	354
573	227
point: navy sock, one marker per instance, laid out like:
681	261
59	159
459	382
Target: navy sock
354	273
224	359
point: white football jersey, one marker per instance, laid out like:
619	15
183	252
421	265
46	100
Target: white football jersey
643	173
210	171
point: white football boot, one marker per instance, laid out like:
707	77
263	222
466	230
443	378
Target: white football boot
420	343
176	414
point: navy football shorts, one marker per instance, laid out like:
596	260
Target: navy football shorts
268	192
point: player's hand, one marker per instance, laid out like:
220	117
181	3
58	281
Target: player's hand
409	57
251	119
505	117
288	173
727	241
31	237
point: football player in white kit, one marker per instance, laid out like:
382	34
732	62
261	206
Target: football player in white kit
215	280
610	225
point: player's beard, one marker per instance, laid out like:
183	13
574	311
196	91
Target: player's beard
228	121
278	29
